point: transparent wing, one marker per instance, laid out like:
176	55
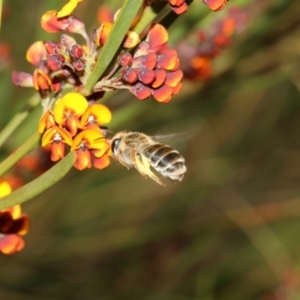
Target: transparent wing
177	139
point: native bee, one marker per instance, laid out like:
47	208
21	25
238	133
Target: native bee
138	150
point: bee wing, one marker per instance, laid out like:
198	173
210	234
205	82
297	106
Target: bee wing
186	135
177	140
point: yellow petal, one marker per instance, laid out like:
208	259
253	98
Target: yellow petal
16	211
131	39
68	8
70	102
46	121
49	135
93	139
100	113
5	189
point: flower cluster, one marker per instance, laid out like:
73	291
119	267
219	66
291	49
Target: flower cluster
75	122
13	224
180	6
197	56
153	69
66	63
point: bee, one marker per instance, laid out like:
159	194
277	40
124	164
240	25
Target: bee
138	150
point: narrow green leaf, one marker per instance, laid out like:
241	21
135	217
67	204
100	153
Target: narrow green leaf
150	13
17	119
40	184
114	41
26	147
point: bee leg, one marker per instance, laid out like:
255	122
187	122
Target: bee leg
143	166
122	162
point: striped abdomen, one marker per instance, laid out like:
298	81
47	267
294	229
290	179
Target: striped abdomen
166	161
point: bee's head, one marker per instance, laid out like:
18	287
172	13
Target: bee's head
115	142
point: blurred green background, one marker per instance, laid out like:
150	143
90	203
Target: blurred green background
229	230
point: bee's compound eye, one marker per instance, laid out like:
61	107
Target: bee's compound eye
115	145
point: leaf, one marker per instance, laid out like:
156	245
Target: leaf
125	18
40	184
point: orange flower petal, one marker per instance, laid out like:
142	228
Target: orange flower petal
160	77
83	160
177	89
72	125
149	60
179	10
157	36
11	243
50	23
215	5
36	53
147	76
101	163
46	121
57	151
101	34
162	94
173	78
104	14
167	60
130	75
41	81
141	91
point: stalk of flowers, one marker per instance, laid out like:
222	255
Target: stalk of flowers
66	63
13	224
73	121
153	68
146	66
197	55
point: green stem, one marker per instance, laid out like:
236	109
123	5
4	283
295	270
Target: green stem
18	119
149	14
27	146
125	18
40	184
